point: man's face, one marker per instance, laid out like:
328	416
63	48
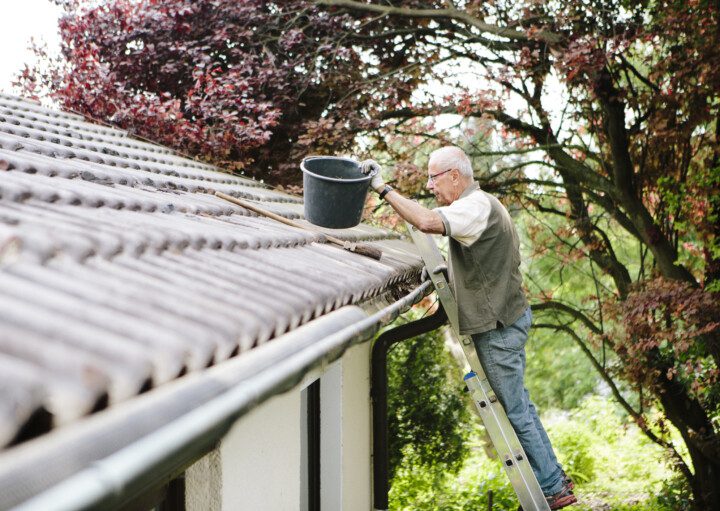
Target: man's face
443	183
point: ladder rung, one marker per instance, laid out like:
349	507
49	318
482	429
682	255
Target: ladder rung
502	435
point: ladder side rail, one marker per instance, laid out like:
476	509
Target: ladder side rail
501	432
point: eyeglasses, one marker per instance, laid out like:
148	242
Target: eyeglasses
433	177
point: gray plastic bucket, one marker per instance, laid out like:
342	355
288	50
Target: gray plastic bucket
334	191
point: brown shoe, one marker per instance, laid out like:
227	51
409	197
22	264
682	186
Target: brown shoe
564	497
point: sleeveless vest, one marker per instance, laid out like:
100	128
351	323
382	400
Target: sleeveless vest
486	275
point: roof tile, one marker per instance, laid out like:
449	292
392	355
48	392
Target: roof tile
120	270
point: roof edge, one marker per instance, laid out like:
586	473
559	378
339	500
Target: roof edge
131	450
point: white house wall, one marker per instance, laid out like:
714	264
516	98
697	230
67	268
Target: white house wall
203	484
331	437
357	430
259	464
261	458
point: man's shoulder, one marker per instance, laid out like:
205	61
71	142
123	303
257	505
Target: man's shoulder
491	201
487	195
472	204
476	196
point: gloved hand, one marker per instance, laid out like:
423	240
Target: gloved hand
367	166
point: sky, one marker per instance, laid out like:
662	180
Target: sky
22	20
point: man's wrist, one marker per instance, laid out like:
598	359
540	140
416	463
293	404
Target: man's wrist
385	190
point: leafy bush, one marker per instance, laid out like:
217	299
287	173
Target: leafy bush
612	461
576	448
614	466
428	419
425	488
674	495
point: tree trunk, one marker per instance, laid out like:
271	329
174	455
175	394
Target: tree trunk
706	483
687	416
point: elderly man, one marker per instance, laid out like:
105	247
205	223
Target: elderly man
484	272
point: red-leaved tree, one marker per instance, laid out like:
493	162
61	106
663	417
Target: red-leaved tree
246	84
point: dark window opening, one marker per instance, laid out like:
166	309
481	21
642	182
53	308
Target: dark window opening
174	495
313	443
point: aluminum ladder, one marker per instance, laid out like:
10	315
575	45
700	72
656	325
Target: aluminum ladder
493	416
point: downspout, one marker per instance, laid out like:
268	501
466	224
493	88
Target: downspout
152	457
378	392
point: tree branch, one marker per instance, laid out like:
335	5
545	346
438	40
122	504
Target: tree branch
623	179
608	205
559	306
639	75
547	142
637	417
448	13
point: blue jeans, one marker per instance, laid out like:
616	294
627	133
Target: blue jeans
502	356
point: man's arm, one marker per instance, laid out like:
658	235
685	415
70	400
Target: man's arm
424	219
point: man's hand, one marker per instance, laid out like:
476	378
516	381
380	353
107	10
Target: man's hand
367	167
418	215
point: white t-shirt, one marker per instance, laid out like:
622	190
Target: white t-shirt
466	218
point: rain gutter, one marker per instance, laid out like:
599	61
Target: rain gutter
378	392
128	450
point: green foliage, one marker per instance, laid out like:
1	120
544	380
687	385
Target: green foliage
613	464
674	495
428	419
558	374
576	446
423	488
611	460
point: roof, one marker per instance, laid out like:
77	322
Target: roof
120	271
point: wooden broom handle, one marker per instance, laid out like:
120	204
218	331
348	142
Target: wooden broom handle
274	216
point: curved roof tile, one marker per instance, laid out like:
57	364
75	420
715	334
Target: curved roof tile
120	270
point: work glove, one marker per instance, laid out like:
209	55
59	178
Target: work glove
367	167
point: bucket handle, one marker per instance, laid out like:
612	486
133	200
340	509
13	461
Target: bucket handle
317	156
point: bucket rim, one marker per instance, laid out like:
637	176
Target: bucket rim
365	178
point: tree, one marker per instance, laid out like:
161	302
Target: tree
631	156
243	84
611	106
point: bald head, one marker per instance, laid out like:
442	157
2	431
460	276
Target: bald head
452	157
